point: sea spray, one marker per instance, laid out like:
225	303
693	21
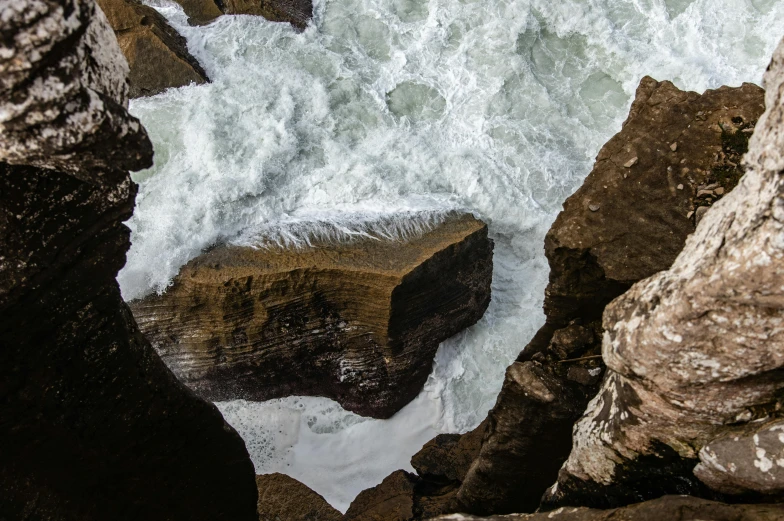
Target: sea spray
383	115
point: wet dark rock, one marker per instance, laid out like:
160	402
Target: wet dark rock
391	500
93	426
358	322
282	498
157	54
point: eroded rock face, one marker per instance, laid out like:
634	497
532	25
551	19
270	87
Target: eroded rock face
359	323
670	508
59	109
624	224
697	350
296	12
93	426
391	500
745	461
282	498
157	54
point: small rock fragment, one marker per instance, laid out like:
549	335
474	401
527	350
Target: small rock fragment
688	215
674	147
680	187
705	193
630	163
719	191
700	213
593	207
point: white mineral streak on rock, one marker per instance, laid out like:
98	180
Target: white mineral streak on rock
63	89
692	349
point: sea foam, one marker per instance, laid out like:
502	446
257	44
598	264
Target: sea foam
380	118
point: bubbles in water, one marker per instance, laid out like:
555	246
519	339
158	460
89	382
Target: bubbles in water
380	118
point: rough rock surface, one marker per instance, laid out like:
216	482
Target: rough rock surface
392	500
359	322
59	109
296	12
696	350
669	508
622	225
746	460
157	54
93	426
527	435
200	12
282	498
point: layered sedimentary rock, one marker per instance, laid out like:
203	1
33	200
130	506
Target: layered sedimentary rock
670	508
358	322
297	12
157	54
92	424
694	352
282	498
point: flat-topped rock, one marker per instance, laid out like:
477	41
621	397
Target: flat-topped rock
359	322
282	498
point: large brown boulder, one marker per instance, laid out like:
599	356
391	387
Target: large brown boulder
358	322
282	498
630	218
669	508
696	352
157	54
93	426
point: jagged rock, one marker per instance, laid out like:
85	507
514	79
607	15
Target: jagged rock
696	351
359	322
296	12
746	460
282	498
73	117
670	508
200	12
157	54
391	500
594	257
448	456
530	423
92	424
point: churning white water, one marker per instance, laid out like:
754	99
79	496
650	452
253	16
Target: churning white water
380	117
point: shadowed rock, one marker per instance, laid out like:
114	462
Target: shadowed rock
359	322
282	498
93	426
157	54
